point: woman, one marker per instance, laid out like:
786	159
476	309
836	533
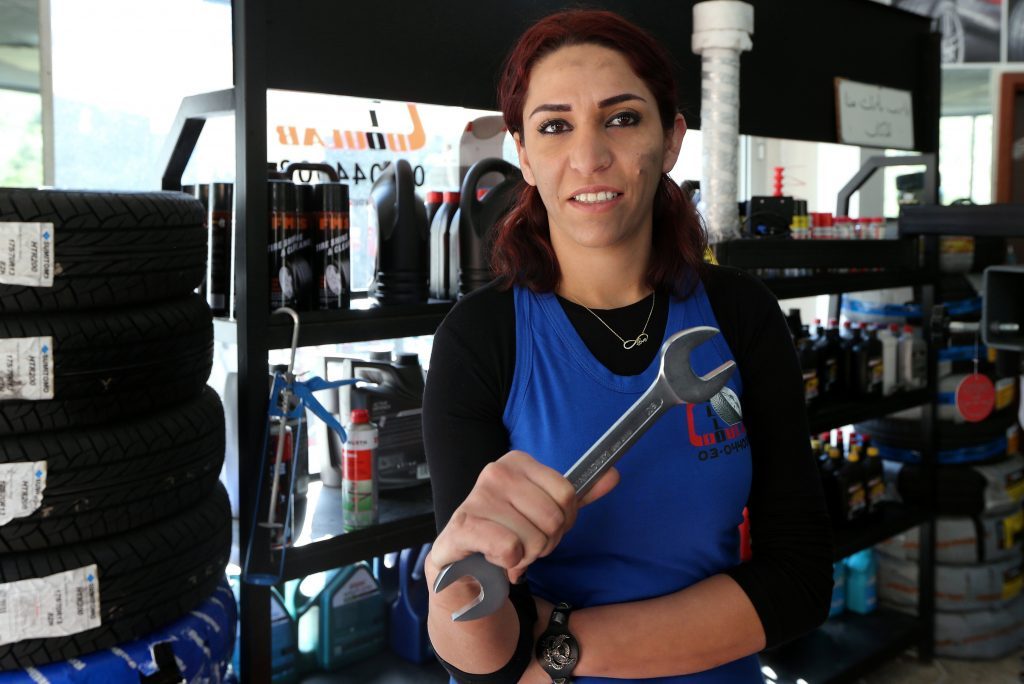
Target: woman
598	263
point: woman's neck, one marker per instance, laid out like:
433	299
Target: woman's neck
604	279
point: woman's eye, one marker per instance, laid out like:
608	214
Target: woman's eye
553	126
624	119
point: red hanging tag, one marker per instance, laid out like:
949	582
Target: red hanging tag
975	397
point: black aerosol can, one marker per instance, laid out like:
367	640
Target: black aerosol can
218	274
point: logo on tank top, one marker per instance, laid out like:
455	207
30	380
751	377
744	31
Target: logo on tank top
715	428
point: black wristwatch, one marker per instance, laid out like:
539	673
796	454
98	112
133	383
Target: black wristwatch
557	649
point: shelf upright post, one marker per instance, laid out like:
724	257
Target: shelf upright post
249	26
931	320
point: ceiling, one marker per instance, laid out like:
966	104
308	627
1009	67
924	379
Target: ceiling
19	45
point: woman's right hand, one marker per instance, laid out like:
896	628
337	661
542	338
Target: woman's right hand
517	512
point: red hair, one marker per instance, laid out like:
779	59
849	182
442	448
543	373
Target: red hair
522	252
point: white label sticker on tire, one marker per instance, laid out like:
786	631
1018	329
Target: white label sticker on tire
21	489
26	254
58	605
26	368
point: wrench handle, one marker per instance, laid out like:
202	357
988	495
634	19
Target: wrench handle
622	435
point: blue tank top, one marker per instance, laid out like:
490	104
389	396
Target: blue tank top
673	518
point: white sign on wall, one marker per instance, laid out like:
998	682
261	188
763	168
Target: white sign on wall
874	116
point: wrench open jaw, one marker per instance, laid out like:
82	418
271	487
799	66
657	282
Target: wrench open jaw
675	384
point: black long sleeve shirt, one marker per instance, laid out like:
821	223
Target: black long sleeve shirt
789	579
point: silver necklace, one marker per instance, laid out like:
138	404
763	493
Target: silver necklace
636	341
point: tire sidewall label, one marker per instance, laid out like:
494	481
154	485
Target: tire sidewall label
26	368
26	254
62	604
21	489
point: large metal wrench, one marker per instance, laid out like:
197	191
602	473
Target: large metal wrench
676	384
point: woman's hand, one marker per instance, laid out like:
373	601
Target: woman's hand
517	512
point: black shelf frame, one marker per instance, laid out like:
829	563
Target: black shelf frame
308	57
835	414
846	647
352	325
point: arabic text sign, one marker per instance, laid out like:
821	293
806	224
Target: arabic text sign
873	116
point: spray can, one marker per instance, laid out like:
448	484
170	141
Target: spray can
218	255
359	472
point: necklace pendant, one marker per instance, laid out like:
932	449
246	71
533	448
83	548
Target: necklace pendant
628	344
641	338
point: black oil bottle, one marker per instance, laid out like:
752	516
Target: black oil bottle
830	376
874	479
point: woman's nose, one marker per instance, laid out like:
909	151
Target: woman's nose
590	151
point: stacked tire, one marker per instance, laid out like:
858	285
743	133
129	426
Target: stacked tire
113	523
979	559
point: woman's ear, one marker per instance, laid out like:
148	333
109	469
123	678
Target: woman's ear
524	160
673	143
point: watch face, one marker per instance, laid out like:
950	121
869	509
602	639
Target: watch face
558	653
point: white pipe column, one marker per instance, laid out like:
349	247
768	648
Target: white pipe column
721	31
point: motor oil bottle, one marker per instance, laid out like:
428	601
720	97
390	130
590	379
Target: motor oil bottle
851	479
392	391
402	270
838	605
861	582
889	338
285	662
876	363
440	246
913	361
354	617
433	203
479	216
808	357
834	499
828	347
858	379
408	623
359	490
341	616
874	479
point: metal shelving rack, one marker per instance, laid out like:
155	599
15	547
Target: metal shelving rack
845	648
397	50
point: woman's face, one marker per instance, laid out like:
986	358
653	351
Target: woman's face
593	145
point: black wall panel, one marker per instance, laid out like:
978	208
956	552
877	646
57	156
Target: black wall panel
450	52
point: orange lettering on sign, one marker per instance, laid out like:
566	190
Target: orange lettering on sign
358	140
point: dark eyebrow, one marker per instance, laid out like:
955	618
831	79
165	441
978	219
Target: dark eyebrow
607	102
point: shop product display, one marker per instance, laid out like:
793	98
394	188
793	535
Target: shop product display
407	625
87	368
478	217
392	392
285	667
197	646
402	270
77	250
441	267
962	489
332	269
127	585
108	479
992	536
983	634
340	616
958	588
219	269
359	488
